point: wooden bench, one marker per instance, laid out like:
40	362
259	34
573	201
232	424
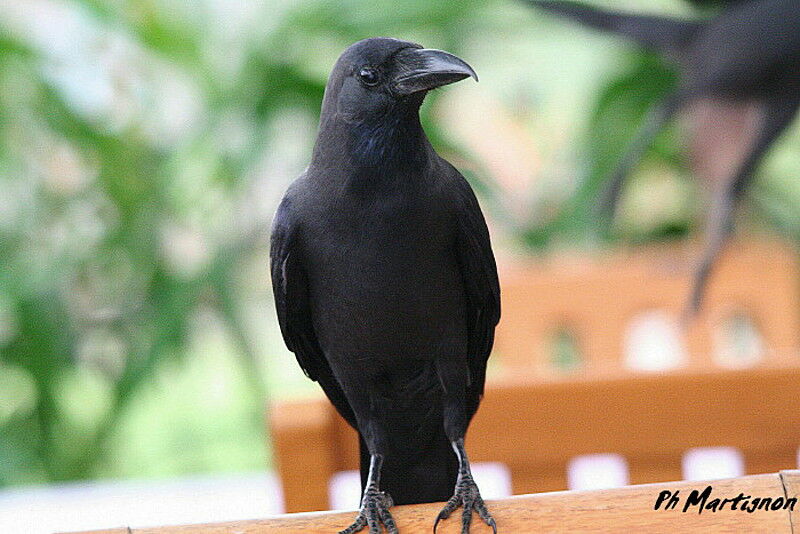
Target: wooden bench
537	416
628	509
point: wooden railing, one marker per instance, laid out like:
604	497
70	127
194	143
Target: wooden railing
536	417
628	509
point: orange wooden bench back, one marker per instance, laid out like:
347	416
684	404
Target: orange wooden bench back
535	418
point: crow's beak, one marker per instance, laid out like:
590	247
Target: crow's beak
421	69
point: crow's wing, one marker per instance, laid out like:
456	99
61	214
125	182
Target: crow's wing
290	288
479	272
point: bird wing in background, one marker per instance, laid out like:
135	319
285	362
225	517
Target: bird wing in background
662	33
747	49
715	3
290	287
479	272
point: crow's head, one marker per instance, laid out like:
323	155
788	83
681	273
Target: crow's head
380	76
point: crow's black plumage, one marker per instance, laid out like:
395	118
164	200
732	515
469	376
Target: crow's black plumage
740	77
385	283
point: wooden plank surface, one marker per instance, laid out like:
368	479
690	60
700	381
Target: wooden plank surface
628	509
791	486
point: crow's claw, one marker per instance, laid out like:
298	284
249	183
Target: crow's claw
374	513
468	497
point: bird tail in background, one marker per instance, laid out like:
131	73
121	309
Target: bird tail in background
661	33
424	474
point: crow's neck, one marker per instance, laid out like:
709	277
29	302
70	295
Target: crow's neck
394	143
378	152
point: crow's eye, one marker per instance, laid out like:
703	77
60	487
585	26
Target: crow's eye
368	76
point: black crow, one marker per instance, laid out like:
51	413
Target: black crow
740	80
385	283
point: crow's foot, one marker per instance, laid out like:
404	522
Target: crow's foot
468	497
374	513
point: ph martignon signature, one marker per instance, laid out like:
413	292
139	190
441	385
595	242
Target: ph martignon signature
705	501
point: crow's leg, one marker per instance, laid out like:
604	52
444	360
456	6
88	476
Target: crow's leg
375	504
454	375
466	495
358	388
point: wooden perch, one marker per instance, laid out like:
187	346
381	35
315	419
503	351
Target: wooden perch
627	509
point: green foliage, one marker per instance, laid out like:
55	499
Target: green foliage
119	227
619	110
132	137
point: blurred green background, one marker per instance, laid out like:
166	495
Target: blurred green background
144	145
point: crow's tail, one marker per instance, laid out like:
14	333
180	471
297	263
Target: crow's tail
424	472
661	33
